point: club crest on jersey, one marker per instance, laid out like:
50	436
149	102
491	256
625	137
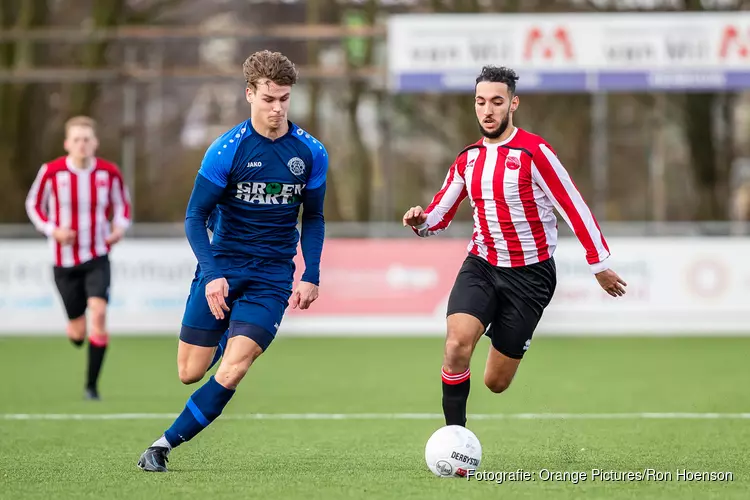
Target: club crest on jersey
296	166
512	163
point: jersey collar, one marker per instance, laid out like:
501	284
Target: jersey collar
289	132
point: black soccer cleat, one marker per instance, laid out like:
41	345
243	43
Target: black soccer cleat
91	394
154	459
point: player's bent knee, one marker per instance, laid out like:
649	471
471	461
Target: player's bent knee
188	376
500	370
191	369
191	373
193	360
497	384
77	328
457	348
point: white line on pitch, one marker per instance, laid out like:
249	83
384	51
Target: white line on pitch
380	416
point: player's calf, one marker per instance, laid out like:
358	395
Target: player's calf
463	332
98	342
207	403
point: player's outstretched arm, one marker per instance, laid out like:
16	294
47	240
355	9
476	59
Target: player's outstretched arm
555	181
440	212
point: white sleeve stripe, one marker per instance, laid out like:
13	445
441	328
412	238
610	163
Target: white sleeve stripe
32	208
578	203
446	203
117	200
447	198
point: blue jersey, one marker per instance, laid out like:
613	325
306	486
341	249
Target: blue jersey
249	191
263	182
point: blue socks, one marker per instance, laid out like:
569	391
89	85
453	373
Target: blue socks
203	407
219	349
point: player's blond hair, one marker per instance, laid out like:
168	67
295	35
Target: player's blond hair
80	121
273	66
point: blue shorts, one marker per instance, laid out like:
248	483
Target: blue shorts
259	291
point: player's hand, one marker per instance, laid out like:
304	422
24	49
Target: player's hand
611	283
115	236
415	216
64	236
304	295
216	291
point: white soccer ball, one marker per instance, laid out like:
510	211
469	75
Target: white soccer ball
452	450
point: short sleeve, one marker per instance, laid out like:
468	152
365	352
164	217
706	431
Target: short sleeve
217	163
319	167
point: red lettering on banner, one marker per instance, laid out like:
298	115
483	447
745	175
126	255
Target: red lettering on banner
548	45
733	42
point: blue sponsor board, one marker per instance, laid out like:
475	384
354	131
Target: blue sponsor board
581	81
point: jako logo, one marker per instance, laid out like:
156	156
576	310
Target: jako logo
252	164
548	45
734	43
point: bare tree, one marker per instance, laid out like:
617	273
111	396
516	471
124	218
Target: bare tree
362	159
31	111
21	104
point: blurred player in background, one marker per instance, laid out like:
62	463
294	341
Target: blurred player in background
248	192
513	180
71	202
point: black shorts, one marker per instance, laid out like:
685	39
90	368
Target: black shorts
76	284
509	301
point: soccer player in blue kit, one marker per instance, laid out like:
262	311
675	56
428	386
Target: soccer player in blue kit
248	191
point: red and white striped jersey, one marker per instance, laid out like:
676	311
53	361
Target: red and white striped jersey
513	188
83	200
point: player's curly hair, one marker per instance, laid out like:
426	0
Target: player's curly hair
274	66
499	75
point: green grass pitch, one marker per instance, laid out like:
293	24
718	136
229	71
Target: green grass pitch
241	456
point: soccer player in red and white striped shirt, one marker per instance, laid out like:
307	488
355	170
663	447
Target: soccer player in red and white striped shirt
71	202
513	180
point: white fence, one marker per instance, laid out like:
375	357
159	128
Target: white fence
676	286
